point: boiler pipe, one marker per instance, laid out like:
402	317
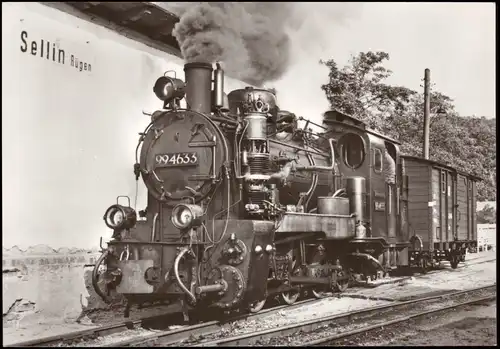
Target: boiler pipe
210	288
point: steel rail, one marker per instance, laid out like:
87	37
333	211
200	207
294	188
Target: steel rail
131	324
311	325
178	335
403	319
90	333
201	329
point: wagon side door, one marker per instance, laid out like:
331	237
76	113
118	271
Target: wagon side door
462	208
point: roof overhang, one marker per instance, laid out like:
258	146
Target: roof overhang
149	21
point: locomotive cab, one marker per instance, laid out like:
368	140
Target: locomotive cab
369	163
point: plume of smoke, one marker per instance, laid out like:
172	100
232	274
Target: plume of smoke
249	38
261	43
317	30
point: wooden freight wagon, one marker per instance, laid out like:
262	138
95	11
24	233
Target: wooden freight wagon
441	213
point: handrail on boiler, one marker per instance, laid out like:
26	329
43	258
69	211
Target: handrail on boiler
321	168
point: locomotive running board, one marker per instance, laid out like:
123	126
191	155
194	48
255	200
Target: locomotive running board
333	226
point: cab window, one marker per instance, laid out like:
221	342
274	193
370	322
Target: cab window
352	149
377	161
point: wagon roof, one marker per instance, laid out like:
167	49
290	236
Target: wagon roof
435	163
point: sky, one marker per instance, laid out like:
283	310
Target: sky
456	41
68	136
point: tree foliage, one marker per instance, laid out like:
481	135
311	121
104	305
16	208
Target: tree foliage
358	89
488	215
466	143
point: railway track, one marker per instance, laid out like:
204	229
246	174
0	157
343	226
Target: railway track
173	336
75	338
335	338
86	336
329	329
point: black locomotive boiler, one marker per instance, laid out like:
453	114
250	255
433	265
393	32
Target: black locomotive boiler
243	204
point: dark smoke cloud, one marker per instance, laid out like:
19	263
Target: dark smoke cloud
250	39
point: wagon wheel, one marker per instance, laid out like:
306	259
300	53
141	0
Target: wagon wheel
417	246
256	306
424	265
454	260
291	296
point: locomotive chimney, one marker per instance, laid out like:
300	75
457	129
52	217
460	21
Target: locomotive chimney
427	112
199	86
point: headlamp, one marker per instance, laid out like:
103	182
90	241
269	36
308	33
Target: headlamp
120	217
167	89
185	216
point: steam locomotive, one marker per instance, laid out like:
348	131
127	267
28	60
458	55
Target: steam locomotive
244	205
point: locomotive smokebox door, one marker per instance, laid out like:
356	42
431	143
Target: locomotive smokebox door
181	156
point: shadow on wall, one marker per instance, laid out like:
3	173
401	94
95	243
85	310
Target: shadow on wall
49	290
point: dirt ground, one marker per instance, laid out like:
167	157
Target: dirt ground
479	270
475	326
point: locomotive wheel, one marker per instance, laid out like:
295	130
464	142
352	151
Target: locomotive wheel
343	285
434	263
424	265
290	297
257	306
320	292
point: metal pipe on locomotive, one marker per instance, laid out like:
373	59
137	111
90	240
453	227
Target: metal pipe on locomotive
243	204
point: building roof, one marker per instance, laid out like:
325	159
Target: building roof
144	18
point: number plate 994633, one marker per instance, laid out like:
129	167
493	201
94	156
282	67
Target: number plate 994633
176	159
